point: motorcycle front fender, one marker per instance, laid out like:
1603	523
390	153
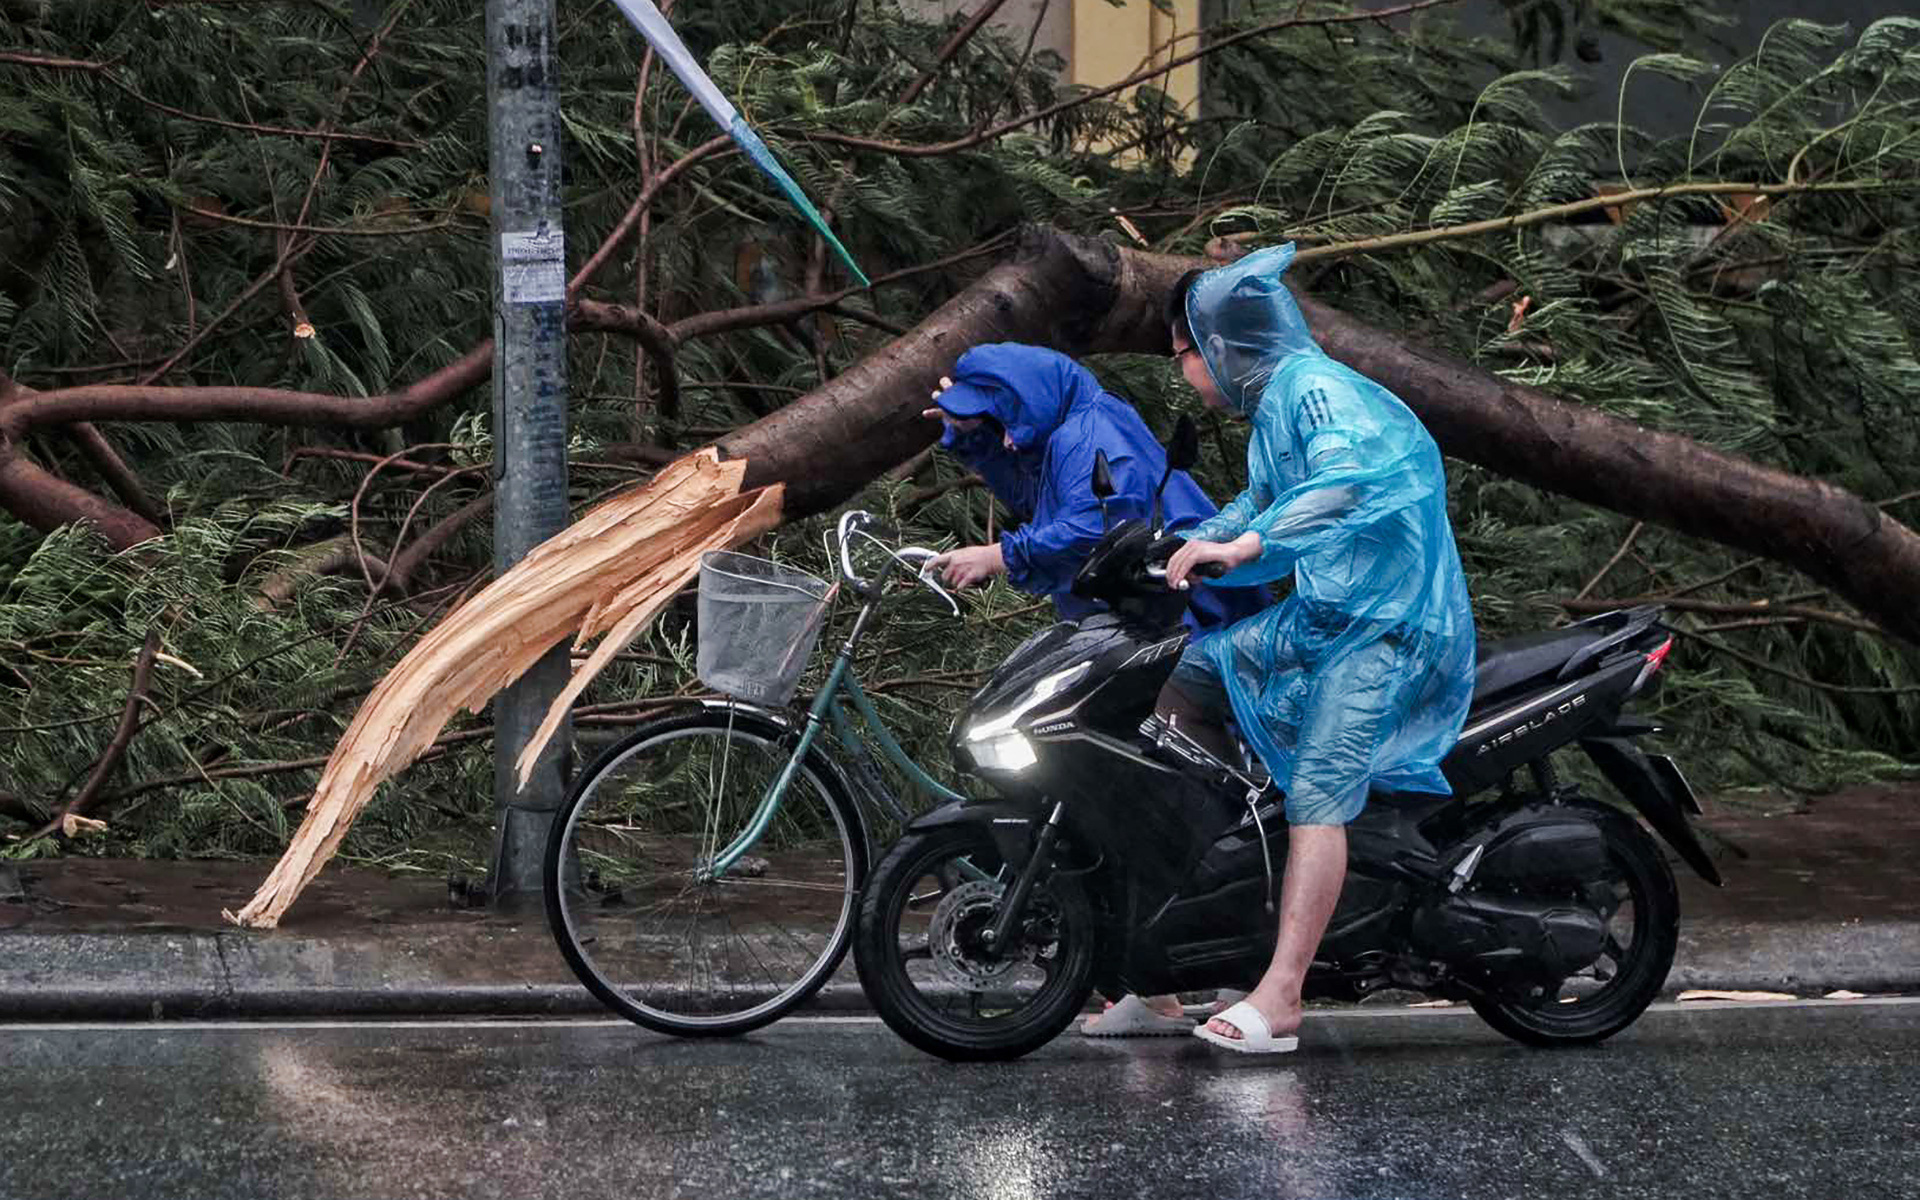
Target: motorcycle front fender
1013	824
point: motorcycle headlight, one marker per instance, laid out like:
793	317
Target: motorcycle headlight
1007	752
997	745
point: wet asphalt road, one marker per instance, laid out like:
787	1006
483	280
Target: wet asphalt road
1778	1101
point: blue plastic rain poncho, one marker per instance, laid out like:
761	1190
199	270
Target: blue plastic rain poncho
1362	676
1058	416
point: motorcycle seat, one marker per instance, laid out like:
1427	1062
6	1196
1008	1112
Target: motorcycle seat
1526	661
1532	661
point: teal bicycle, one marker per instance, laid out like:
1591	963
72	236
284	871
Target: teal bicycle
702	877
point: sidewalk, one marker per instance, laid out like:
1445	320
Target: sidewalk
1828	898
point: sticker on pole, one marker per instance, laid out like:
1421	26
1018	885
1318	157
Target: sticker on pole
533	266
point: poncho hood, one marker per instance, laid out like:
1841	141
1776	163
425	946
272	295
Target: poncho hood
1029	390
1247	326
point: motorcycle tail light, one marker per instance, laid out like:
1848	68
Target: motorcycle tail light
1654	662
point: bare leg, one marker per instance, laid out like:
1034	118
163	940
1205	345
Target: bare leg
1316	868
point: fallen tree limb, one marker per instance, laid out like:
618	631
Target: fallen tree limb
332	556
603	576
1761	608
109	762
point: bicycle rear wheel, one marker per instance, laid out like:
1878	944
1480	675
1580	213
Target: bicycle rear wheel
638	914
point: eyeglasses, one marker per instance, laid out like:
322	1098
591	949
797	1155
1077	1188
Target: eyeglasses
1180	354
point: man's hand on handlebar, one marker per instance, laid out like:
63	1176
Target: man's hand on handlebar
970	565
1185	560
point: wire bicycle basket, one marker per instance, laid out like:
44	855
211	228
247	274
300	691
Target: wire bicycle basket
758	623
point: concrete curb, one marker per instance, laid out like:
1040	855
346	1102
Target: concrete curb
189	974
203	975
1863	956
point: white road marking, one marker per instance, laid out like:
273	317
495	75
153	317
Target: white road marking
519	1023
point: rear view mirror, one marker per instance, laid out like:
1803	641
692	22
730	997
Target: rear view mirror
1102	476
1184	450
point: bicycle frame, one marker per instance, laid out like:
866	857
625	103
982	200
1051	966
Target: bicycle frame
827	707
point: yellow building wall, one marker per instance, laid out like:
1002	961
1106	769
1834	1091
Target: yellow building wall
1110	44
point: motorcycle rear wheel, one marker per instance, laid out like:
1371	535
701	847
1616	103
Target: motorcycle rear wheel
929	979
1610	994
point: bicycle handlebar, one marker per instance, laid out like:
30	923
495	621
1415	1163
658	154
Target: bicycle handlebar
857	524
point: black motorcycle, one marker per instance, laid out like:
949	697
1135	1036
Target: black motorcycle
1121	855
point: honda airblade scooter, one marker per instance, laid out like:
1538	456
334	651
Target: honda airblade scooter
1122	855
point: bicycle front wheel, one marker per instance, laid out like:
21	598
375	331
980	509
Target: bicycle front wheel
643	919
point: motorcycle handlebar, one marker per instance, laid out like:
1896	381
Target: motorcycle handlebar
1154	565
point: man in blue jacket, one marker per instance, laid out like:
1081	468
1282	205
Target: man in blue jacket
1030	421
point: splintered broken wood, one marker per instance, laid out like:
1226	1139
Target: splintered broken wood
607	574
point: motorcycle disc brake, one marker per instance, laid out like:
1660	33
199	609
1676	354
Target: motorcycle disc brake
954	937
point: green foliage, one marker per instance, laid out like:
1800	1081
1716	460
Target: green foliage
128	227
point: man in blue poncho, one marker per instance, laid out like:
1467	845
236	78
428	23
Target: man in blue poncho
1030	421
1360	679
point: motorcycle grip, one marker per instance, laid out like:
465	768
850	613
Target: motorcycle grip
1163	549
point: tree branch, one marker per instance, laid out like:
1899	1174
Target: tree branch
961	37
281	261
1556	212
105	71
729	320
299	326
117	748
1758	608
659	340
404	464
631	221
1626	544
45	501
53	64
407	561
908	150
127	402
1759	664
470	510
328	557
201	214
20	809
106	461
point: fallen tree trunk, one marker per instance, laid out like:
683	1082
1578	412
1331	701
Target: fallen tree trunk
1086	296
1083	296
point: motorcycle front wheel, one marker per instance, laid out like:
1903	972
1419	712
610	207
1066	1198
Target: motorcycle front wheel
923	967
1643	928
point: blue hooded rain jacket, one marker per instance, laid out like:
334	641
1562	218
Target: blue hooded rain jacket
1059	416
1362	676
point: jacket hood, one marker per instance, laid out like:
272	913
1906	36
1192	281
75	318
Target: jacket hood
1246	325
1028	389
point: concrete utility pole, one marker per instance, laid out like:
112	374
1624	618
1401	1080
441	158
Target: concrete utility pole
529	404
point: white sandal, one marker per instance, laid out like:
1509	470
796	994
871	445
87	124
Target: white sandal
1131	1017
1222	1000
1256	1037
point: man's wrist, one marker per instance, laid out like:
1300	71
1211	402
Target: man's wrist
1248	546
